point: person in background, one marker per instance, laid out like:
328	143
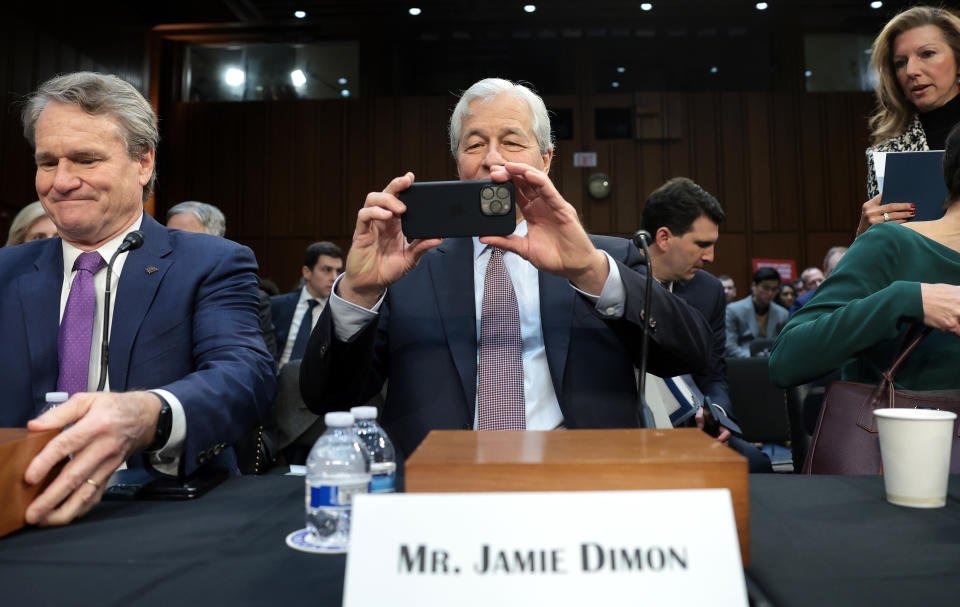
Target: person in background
812	277
755	316
188	373
31	223
197	217
322	263
729	287
786	295
917	60
892	277
831	259
537	330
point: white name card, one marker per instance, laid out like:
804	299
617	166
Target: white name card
572	548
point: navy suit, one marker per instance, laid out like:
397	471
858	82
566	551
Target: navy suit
185	320
425	343
282	307
705	293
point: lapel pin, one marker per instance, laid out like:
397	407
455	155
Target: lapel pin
151	269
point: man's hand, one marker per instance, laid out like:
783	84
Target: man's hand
556	241
380	254
708	424
107	428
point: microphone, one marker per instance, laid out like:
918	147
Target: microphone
644	415
641	238
133	240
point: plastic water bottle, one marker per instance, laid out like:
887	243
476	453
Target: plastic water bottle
54	399
383	459
337	469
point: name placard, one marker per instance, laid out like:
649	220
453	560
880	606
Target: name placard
570	548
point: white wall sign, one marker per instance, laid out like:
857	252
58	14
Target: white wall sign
573	548
585	159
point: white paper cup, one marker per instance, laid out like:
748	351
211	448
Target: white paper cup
915	449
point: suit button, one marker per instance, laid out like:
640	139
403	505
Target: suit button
467	426
323	350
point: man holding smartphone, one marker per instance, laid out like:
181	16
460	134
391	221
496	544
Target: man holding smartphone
536	330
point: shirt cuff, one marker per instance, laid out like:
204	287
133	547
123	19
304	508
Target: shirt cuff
612	299
349	318
167	458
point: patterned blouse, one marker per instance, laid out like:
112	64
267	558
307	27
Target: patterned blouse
911	140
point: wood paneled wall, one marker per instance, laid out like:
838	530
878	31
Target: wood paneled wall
789	168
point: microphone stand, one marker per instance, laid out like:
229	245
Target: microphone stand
133	240
644	415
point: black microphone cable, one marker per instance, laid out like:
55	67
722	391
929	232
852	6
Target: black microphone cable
133	240
644	415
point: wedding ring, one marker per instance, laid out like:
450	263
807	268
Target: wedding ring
96	486
886	216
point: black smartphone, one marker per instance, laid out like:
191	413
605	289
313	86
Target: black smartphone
438	209
140	484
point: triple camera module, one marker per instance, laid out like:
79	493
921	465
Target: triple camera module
495	200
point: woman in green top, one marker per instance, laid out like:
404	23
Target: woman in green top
893	275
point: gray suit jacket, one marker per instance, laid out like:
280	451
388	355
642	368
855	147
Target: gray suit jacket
742	325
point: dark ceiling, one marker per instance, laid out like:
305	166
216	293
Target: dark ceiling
820	15
565	45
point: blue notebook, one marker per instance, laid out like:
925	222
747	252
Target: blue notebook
916	177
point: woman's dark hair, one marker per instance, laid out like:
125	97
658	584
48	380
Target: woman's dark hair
951	165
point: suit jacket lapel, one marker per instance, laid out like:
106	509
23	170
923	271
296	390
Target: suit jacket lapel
451	272
143	272
556	321
40	300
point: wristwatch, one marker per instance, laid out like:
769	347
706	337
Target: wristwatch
164	425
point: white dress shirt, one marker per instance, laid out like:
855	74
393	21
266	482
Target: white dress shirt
296	321
167	458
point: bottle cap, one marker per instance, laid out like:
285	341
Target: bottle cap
338	419
364	412
57	397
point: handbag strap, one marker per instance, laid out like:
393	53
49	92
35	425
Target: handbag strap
911	340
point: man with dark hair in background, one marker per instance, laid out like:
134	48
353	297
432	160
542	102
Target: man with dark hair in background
756	316
684	222
322	263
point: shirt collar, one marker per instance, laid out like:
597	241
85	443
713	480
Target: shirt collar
106	250
479	247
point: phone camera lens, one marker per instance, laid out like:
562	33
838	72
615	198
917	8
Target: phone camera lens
503	193
487	193
496	206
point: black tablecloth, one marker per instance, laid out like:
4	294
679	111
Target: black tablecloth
814	541
836	541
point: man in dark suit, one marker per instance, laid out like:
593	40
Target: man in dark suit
322	263
188	372
408	312
684	221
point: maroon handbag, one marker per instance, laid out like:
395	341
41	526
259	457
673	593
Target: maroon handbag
846	442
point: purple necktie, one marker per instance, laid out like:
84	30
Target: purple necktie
500	386
76	328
